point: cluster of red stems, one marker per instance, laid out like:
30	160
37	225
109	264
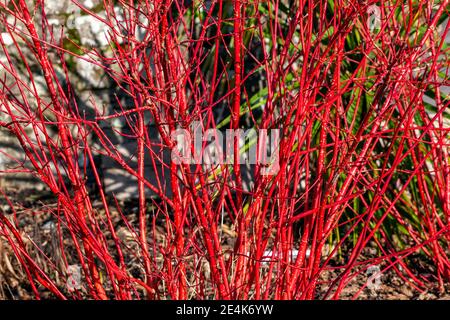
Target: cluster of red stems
339	178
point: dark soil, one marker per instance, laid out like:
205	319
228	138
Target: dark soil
40	228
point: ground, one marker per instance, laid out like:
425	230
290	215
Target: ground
33	215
